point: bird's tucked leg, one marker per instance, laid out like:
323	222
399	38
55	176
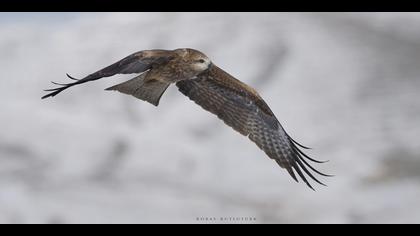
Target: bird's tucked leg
145	89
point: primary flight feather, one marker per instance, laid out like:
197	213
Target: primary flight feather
234	102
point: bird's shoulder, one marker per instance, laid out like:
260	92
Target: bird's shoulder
225	80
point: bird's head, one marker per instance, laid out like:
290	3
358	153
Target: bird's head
197	61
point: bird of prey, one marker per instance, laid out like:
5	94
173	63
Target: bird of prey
216	91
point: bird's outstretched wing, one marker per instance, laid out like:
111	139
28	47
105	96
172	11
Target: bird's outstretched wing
240	107
135	63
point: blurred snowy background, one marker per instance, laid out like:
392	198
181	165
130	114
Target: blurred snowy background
346	84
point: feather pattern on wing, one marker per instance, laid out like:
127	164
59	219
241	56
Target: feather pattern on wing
241	108
135	63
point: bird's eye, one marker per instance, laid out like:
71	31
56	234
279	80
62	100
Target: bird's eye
201	61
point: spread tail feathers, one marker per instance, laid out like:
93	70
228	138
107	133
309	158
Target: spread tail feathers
147	90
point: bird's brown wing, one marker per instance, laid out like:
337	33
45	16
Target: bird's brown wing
135	63
240	107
